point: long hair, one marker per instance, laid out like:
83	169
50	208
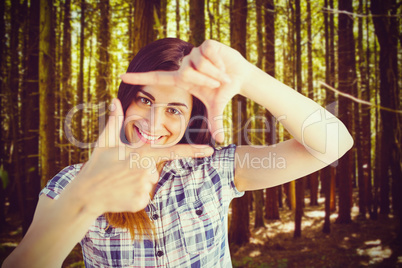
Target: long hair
165	55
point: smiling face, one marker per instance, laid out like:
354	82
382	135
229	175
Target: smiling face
158	116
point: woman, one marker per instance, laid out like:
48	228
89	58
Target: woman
142	199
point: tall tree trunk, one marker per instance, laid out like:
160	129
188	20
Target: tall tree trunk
299	182
65	82
80	83
239	232
258	137
347	78
31	118
14	111
103	68
313	178
46	92
386	29
178	18
143	24
364	140
2	92
197	22
271	204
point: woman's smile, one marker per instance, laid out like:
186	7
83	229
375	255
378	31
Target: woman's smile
146	137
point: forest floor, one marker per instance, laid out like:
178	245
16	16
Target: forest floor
362	243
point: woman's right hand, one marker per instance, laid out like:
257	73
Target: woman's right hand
118	178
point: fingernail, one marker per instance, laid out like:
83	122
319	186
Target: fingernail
121	76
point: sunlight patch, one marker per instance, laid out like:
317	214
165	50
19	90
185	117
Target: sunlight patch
376	254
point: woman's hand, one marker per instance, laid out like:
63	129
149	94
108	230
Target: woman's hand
213	72
119	178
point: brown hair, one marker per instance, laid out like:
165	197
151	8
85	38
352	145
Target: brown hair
164	54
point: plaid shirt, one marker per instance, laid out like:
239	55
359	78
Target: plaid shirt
189	210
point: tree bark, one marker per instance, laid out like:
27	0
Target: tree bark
178	18
65	82
46	92
2	92
386	29
143	24
299	182
103	68
197	22
239	232
347	78
31	118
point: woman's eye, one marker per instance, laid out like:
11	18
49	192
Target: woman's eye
173	111
145	101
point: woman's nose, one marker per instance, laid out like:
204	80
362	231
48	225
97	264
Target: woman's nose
156	120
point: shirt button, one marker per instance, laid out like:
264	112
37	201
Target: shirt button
155	216
159	253
198	212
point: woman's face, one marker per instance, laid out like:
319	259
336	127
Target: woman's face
158	116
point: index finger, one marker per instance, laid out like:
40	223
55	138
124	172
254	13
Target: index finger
180	151
163	78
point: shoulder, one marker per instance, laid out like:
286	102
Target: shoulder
57	184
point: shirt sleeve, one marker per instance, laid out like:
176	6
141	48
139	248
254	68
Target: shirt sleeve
57	184
223	160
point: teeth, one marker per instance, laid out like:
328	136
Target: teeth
151	138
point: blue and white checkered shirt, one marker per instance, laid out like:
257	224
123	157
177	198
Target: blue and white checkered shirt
189	210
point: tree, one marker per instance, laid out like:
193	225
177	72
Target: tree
347	78
313	178
65	80
2	91
299	182
103	68
271	204
30	110
80	83
197	22
258	123
239	232
143	24
46	91
386	29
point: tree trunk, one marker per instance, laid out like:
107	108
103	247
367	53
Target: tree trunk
46	92
239	232
299	182
313	178
197	22
103	85
13	163
143	24
271	204
347	78
178	18
386	29
80	83
65	82
31	118
2	92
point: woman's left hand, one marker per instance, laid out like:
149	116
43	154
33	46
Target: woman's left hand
212	72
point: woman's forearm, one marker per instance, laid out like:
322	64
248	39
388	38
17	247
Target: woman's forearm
309	123
56	228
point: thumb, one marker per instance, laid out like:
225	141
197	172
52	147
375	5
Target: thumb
183	151
110	137
215	117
